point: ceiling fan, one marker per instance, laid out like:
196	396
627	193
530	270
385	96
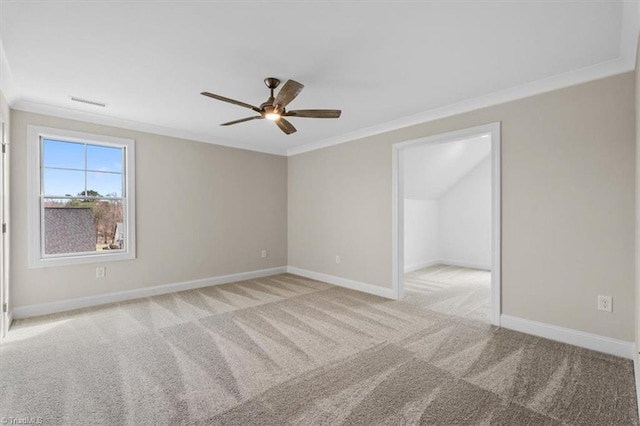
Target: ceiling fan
274	108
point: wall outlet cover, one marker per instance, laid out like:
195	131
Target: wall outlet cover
605	303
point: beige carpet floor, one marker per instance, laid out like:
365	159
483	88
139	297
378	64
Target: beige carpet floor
462	292
286	350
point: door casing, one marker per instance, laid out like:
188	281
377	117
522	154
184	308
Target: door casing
492	129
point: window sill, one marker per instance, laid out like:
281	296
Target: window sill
80	260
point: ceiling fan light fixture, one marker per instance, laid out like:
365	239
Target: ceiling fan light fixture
274	108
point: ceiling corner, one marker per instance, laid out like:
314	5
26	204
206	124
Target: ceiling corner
106	120
7	82
630	32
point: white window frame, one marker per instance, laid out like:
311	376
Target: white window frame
36	259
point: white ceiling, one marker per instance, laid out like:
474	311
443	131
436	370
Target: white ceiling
431	170
385	64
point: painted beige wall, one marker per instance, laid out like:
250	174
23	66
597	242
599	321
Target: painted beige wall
567	205
202	211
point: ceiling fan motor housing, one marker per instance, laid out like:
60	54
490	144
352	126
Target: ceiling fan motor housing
268	107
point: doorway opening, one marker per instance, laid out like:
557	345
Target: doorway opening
446	222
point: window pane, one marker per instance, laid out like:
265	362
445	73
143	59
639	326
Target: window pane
62	182
82	225
104	158
106	184
62	154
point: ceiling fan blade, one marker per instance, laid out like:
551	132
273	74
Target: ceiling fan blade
242	120
289	91
285	126
231	101
314	113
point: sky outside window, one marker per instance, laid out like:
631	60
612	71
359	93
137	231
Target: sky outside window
68	165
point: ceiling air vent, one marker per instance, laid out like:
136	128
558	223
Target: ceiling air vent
88	101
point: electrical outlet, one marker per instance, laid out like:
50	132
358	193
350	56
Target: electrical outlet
263	254
605	303
101	272
337	259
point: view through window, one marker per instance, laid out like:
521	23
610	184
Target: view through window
83	197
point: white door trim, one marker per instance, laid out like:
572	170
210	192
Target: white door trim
397	227
5	318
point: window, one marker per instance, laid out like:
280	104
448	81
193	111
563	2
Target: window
81	197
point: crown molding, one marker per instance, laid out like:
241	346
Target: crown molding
10	90
559	81
106	120
624	63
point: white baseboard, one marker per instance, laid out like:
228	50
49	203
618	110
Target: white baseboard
420	265
344	282
85	302
465	264
9	319
450	262
608	345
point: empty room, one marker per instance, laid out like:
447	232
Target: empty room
447	231
319	213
